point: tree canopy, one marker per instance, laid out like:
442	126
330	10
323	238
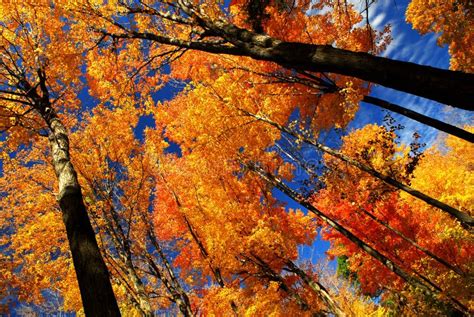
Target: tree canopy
178	157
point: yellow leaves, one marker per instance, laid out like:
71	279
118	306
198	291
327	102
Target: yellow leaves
372	145
8	35
455	166
349	299
352	98
441	175
256	300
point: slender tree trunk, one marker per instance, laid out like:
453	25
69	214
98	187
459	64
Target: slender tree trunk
424	284
437	124
464	218
317	288
96	290
142	297
122	244
179	295
385	224
427	252
137	296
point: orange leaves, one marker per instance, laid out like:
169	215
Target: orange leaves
219	219
219	216
454	21
386	218
214	221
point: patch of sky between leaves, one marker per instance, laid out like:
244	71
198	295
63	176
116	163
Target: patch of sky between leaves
166	93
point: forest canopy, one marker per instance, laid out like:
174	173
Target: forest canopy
182	157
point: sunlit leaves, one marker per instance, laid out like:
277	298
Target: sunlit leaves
454	21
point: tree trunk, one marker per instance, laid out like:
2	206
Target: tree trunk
437	124
449	87
445	86
143	300
96	290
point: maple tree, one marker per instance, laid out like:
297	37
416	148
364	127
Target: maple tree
185	213
34	90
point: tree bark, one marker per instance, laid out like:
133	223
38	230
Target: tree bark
142	298
93	277
448	87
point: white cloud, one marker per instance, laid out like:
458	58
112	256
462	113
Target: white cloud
379	21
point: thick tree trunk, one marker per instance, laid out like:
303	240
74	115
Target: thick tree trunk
449	87
445	86
96	290
453	88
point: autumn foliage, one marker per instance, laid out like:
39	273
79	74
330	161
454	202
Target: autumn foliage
174	156
454	22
